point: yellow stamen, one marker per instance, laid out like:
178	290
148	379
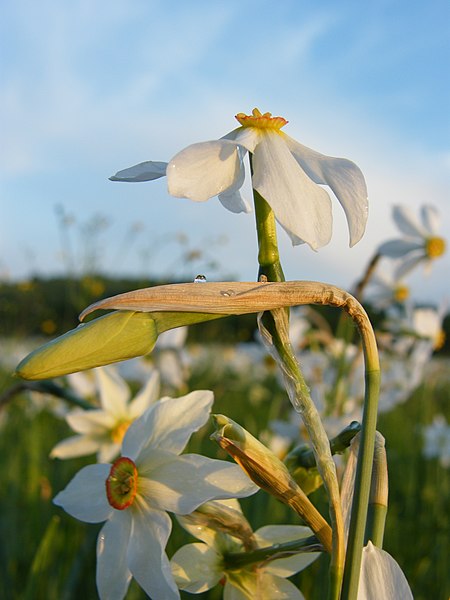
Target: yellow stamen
117	434
401	293
439	340
434	247
262	121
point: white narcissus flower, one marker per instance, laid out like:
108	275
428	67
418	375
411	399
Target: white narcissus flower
286	174
437	440
420	241
134	494
200	566
101	430
384	289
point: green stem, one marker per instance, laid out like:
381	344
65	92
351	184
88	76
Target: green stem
277	325
237	560
268	256
362	481
376	520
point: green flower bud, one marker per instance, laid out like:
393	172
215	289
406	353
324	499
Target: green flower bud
114	337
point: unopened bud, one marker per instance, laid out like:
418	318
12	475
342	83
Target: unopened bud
109	339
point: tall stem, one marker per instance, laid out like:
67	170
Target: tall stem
276	324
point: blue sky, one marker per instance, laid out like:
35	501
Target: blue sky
90	87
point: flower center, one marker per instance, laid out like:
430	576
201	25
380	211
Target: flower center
434	247
121	485
117	434
401	293
262	121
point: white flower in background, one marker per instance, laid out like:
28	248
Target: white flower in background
287	174
437	440
133	494
420	241
170	357
384	289
101	430
200	566
427	324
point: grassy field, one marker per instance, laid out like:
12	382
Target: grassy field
46	554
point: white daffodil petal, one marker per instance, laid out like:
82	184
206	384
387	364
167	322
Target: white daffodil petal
168	424
247	137
407	222
348	484
245	585
146	397
147	559
204	170
144	171
114	392
196	568
270	586
182	485
77	445
398	248
90	422
108	452
113	575
234	202
407	265
300	206
279	534
343	177
381	577
85	497
430	219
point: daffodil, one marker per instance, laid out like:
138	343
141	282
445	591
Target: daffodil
420	242
200	566
134	494
101	430
286	174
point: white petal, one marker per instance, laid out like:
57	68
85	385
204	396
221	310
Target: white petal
108	452
234	202
91	422
381	577
78	445
260	585
407	222
192	524
248	137
146	397
279	534
168	424
180	486
144	171
85	497
343	177
408	264
300	206
147	559
196	568
172	339
113	575
114	392
348	483
204	170
431	219
398	248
